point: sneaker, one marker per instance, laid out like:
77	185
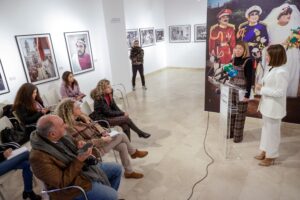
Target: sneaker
144	87
133	175
133	88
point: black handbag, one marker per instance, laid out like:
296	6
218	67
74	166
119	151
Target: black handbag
13	135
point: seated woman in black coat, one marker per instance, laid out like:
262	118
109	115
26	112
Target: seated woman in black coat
106	108
29	105
18	162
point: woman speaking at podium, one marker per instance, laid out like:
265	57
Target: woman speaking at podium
243	64
272	103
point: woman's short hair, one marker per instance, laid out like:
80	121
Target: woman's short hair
245	47
277	55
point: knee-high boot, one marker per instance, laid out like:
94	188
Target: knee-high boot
137	130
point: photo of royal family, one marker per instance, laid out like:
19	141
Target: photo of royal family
38	59
79	51
147	37
259	26
131	36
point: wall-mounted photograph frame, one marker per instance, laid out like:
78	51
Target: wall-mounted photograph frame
200	32
3	81
147	37
38	57
180	33
79	51
160	35
131	36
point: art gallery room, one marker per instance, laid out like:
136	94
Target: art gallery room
207	121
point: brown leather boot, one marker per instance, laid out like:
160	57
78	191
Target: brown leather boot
139	154
133	175
267	162
261	156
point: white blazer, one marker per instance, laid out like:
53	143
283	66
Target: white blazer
273	93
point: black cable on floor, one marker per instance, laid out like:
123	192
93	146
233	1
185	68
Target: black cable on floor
211	162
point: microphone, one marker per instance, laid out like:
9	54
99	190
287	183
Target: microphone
226	72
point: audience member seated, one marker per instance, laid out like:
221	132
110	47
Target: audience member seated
106	108
80	127
56	161
29	105
18	162
70	88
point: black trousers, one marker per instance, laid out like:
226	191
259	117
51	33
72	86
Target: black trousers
139	68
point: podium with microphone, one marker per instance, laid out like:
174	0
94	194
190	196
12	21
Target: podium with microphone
227	109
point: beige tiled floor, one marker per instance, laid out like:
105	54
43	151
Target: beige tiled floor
172	111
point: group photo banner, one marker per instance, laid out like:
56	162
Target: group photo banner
258	23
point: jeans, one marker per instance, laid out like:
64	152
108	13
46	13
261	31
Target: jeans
19	162
139	68
113	172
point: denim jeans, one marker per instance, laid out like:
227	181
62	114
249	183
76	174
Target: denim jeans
19	162
113	172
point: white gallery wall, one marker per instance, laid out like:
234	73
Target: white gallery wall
56	17
147	14
162	14
183	12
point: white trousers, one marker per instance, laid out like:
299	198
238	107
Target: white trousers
270	137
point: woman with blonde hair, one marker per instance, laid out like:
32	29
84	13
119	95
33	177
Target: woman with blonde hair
106	108
243	64
80	127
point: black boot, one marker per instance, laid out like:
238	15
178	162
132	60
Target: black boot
144	135
31	195
137	130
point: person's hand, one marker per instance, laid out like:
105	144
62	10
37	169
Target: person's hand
82	157
245	99
45	110
80	144
258	87
7	152
106	138
126	114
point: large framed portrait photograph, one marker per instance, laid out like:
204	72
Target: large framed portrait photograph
131	36
159	35
38	58
200	32
3	82
179	33
79	51
147	36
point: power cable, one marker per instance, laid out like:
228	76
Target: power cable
210	163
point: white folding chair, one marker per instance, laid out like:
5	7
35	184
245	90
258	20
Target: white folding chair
51	98
85	108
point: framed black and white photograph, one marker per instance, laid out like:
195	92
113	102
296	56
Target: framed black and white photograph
147	37
79	51
38	58
159	35
200	32
180	33
131	36
3	82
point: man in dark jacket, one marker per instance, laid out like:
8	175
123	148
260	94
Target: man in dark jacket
137	60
